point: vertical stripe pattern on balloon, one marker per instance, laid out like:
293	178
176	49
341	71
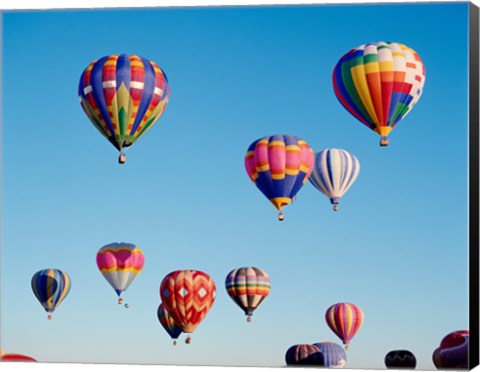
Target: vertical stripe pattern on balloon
50	286
344	319
334	172
123	96
379	83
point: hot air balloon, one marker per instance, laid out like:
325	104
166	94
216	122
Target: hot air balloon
120	263
123	96
168	324
344	319
16	358
397	359
279	166
333	354
454	349
187	296
335	170
50	286
304	354
379	83
248	287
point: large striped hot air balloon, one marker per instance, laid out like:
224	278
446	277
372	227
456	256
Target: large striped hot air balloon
334	172
279	165
123	96
168	324
400	359
248	287
333	354
344	319
379	83
51	286
304	354
120	263
187	296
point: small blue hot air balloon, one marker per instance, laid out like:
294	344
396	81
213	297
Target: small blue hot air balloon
334	172
168	324
333	354
50	286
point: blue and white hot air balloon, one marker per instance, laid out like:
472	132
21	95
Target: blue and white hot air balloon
334	172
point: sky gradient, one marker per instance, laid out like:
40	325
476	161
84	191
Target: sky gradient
397	247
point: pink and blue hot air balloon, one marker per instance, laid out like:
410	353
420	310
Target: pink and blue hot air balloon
279	166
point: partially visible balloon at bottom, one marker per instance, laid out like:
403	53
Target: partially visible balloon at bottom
400	359
304	354
454	349
16	358
333	354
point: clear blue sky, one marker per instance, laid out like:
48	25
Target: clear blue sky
397	248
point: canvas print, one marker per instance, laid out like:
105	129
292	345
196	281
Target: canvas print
265	186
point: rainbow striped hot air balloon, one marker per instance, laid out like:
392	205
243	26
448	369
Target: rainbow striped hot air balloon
123	96
379	83
120	263
344	319
51	286
279	165
248	287
187	296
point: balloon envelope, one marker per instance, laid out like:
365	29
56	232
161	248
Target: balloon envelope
120	263
187	296
167	322
379	83
248	287
123	96
344	319
304	354
16	358
50	286
454	349
279	165
334	172
333	354
400	359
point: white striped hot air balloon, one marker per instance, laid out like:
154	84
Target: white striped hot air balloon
334	172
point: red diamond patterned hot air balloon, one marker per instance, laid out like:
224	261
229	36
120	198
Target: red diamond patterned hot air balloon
187	296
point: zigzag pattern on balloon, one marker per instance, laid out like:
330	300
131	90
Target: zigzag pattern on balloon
187	296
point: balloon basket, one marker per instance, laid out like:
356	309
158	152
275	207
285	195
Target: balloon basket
49	317
335	207
122	158
188	340
280	216
249	319
174	343
120	301
346	347
383	141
